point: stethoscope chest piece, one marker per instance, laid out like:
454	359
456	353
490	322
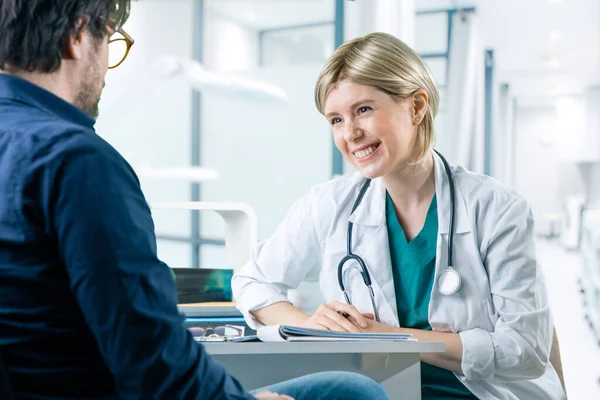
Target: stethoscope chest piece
449	281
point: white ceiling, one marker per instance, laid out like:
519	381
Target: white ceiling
543	48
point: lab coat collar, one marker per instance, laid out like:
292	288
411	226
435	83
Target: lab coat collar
371	211
442	191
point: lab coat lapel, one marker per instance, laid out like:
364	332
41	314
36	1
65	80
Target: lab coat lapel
370	241
370	236
440	305
442	191
371	210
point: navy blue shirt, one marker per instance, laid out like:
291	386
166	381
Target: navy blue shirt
86	308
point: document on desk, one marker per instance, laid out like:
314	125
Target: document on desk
285	333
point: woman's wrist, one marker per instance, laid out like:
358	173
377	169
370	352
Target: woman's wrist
281	313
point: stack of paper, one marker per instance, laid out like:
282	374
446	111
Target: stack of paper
283	333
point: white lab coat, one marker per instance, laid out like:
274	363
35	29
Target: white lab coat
501	310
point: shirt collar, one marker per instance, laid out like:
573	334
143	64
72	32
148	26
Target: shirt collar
17	89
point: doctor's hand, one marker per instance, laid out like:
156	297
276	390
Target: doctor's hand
377	327
337	316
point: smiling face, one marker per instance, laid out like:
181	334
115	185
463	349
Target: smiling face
376	133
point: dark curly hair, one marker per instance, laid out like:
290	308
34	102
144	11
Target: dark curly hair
33	33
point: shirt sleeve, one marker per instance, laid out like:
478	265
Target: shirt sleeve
280	263
104	234
519	346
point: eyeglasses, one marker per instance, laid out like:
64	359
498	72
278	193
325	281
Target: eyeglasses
221	332
119	45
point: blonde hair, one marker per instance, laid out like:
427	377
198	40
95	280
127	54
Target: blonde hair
383	62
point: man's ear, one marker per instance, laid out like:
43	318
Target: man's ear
420	101
74	49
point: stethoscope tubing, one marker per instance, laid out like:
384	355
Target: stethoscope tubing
364	271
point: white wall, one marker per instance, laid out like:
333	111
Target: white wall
570	136
541	176
537	167
149	120
228	45
570	181
591	152
550	147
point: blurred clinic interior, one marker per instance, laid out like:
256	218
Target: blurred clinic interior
215	104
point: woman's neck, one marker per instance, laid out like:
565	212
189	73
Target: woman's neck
411	186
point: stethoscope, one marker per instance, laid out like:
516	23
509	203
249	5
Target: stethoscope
448	281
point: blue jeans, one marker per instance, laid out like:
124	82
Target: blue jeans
330	386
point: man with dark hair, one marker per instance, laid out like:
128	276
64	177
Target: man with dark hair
86	308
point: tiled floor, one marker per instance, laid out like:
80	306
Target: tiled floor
579	350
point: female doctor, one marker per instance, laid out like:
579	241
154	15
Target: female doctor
410	243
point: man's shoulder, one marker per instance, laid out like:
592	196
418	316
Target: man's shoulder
57	150
42	137
28	125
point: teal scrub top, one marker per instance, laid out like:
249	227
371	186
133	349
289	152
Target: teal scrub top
413	269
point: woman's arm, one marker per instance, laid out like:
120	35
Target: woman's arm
283	313
289	257
292	255
330	316
451	359
519	345
334	316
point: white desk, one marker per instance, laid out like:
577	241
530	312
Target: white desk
395	365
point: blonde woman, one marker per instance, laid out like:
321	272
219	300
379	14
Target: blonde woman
410	243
